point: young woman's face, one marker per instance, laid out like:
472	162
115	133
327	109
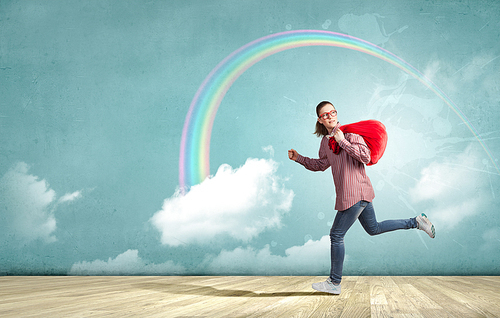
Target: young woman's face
328	117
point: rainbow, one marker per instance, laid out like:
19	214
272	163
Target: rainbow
194	164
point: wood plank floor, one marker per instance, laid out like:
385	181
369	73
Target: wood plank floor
248	296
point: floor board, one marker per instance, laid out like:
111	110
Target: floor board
248	296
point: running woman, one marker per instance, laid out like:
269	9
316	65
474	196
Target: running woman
354	192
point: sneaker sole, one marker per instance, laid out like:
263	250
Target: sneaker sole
432	226
326	291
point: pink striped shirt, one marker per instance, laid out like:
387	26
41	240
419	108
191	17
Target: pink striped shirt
348	168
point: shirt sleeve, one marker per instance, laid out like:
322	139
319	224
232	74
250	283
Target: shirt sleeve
356	147
312	164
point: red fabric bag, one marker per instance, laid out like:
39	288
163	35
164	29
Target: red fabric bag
372	131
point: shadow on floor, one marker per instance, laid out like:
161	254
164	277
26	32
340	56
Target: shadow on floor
189	289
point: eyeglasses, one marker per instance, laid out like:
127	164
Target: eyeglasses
331	114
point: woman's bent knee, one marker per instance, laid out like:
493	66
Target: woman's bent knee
372	231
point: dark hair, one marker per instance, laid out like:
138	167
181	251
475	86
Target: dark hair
320	128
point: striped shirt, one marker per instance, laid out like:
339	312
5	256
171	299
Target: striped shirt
348	168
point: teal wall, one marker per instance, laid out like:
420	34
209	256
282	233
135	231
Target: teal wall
93	98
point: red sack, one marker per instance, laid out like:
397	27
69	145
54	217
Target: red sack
374	134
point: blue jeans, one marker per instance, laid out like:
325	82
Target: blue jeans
364	212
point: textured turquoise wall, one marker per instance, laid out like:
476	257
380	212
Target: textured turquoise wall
93	98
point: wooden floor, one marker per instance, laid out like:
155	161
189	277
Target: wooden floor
250	296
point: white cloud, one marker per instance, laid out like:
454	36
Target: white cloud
431	70
70	197
477	74
312	258
455	187
28	206
127	263
239	202
269	149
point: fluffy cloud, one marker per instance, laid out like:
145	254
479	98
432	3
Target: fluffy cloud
128	263
456	188
239	202
269	149
431	70
312	258
28	206
68	197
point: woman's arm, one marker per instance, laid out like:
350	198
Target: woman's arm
320	164
356	147
293	154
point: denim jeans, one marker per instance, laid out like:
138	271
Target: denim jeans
364	212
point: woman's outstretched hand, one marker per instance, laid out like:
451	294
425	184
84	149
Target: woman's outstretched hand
293	154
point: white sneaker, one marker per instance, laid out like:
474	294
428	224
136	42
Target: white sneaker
327	287
425	225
